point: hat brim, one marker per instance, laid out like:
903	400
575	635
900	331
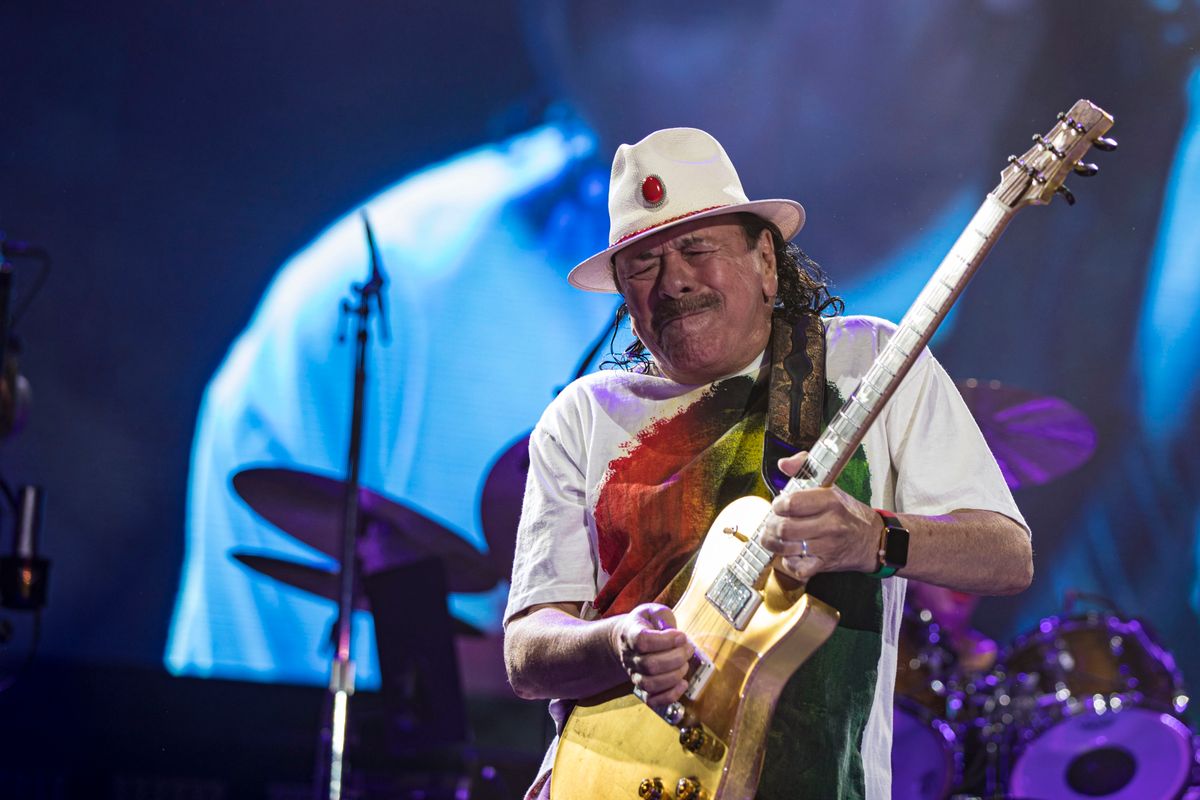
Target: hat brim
595	274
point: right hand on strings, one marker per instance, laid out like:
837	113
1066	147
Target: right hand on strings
654	653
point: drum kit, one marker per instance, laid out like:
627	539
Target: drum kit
1085	705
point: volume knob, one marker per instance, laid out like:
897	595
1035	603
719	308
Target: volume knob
651	789
688	789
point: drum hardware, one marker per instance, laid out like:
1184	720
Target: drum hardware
928	722
1035	438
308	506
325	583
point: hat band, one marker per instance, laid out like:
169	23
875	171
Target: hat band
667	222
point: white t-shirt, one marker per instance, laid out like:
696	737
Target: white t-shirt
618	455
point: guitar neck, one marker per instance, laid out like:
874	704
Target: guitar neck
834	448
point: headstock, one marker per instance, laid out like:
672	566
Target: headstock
1035	177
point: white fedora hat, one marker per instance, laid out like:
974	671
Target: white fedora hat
672	176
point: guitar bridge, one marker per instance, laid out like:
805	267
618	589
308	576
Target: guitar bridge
735	601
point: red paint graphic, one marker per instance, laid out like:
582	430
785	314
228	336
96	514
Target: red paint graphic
658	501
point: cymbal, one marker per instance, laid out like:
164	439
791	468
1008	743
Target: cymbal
310	508
323	583
500	502
1035	438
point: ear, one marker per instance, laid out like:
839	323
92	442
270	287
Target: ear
765	247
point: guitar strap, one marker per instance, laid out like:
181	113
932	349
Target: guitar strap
796	393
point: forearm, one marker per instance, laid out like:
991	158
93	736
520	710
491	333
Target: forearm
549	652
981	552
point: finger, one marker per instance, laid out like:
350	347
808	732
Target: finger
651	684
648	641
661	617
665	698
800	568
802	503
662	663
788	547
791	465
789	535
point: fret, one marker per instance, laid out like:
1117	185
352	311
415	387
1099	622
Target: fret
855	410
934	296
965	258
744	574
907	339
756	557
852	414
918	317
821	453
884	367
892	357
945	281
837	427
867	392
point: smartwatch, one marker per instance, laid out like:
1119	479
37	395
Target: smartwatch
893	545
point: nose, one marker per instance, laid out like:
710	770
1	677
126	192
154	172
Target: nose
676	276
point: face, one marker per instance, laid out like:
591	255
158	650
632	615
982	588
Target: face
700	297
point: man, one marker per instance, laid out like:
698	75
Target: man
628	470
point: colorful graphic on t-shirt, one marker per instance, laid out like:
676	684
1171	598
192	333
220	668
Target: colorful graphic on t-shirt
659	499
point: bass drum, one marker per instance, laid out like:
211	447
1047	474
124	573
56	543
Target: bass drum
1100	699
1119	753
926	753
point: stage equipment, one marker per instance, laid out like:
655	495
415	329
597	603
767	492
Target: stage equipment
1082	706
1089	706
24	575
1035	438
927	749
752	630
309	507
341	676
326	583
16	395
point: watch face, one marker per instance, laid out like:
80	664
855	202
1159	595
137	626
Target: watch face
895	547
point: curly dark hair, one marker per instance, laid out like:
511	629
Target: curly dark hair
803	289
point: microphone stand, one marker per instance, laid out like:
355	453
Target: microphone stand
341	677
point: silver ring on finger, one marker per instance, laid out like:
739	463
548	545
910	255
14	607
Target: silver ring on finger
804	548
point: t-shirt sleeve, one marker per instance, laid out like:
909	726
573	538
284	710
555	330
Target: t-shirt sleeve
554	561
942	461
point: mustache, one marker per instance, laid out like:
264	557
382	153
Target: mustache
672	309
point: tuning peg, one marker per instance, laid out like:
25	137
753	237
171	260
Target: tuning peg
1085	169
1066	193
1105	143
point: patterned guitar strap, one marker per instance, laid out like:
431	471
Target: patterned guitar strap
796	394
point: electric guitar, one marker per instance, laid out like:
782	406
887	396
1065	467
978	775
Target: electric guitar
752	630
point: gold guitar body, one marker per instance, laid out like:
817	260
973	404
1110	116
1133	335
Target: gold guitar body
613	742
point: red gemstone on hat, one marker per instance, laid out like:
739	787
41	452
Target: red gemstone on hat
653	190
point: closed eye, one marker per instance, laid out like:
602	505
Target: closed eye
642	269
